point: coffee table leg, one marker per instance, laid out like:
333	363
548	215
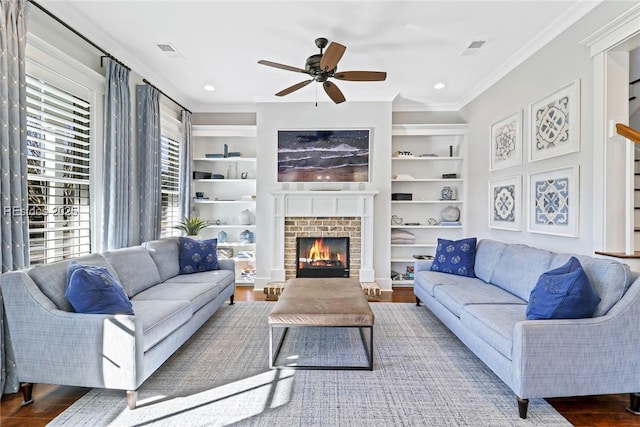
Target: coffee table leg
273	357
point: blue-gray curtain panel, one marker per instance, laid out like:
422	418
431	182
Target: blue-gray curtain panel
118	162
14	227
149	161
185	164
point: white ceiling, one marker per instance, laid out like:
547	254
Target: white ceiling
418	43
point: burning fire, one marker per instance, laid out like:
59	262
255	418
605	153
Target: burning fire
319	254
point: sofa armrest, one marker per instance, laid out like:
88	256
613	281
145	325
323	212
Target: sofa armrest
227	264
569	357
58	347
422	265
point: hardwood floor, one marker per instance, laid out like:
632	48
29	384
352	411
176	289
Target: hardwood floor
51	400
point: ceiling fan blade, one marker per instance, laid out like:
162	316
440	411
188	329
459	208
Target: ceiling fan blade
361	76
334	93
293	88
331	56
282	66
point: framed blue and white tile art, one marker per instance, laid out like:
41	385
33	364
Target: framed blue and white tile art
505	203
554	202
506	142
555	123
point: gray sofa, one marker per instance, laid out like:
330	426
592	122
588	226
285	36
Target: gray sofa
540	358
55	345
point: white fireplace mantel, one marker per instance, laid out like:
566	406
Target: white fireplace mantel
324	204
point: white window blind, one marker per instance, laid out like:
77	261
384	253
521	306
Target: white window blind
170	164
58	153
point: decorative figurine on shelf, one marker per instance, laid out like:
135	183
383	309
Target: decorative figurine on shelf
247	236
222	237
396	220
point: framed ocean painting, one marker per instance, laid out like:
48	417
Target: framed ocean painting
323	155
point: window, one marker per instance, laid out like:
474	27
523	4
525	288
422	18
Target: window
58	158
170	164
170	175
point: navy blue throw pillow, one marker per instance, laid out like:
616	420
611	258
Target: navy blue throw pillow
455	257
94	290
198	255
563	293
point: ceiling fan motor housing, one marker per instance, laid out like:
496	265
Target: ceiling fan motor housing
312	66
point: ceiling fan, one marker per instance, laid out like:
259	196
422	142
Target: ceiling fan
323	66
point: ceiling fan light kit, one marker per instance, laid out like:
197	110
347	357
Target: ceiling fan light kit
323	66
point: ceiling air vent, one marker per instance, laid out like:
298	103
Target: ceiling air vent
169	50
473	47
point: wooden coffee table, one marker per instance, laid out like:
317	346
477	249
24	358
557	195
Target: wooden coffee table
322	302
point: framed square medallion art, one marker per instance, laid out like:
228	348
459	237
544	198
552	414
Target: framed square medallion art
506	142
505	203
555	123
554	201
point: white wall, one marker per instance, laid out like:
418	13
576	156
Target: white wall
561	61
350	115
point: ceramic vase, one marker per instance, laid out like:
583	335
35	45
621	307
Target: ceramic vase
450	214
247	236
245	217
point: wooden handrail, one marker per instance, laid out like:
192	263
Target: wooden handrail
628	132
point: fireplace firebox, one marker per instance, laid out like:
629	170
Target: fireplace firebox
322	257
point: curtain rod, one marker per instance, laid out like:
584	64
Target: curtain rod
164	94
106	54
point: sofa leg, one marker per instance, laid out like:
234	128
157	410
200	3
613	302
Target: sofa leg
634	403
418	301
27	393
132	399
231	300
523	405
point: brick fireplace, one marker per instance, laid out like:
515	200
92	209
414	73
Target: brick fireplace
321	227
323	213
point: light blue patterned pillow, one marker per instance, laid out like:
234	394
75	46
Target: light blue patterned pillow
455	257
198	255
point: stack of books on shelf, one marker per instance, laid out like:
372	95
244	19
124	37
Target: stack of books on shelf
450	223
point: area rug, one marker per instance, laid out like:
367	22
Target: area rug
423	376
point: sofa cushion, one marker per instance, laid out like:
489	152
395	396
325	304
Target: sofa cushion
455	257
160	318
494	323
94	290
563	293
220	277
198	255
488	253
609	278
456	296
165	253
136	269
428	280
519	268
52	278
198	294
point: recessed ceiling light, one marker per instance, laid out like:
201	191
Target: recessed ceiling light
439	86
210	88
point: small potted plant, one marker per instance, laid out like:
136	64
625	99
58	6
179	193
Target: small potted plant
192	225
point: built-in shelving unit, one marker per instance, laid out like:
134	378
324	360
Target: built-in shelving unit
232	191
421	155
